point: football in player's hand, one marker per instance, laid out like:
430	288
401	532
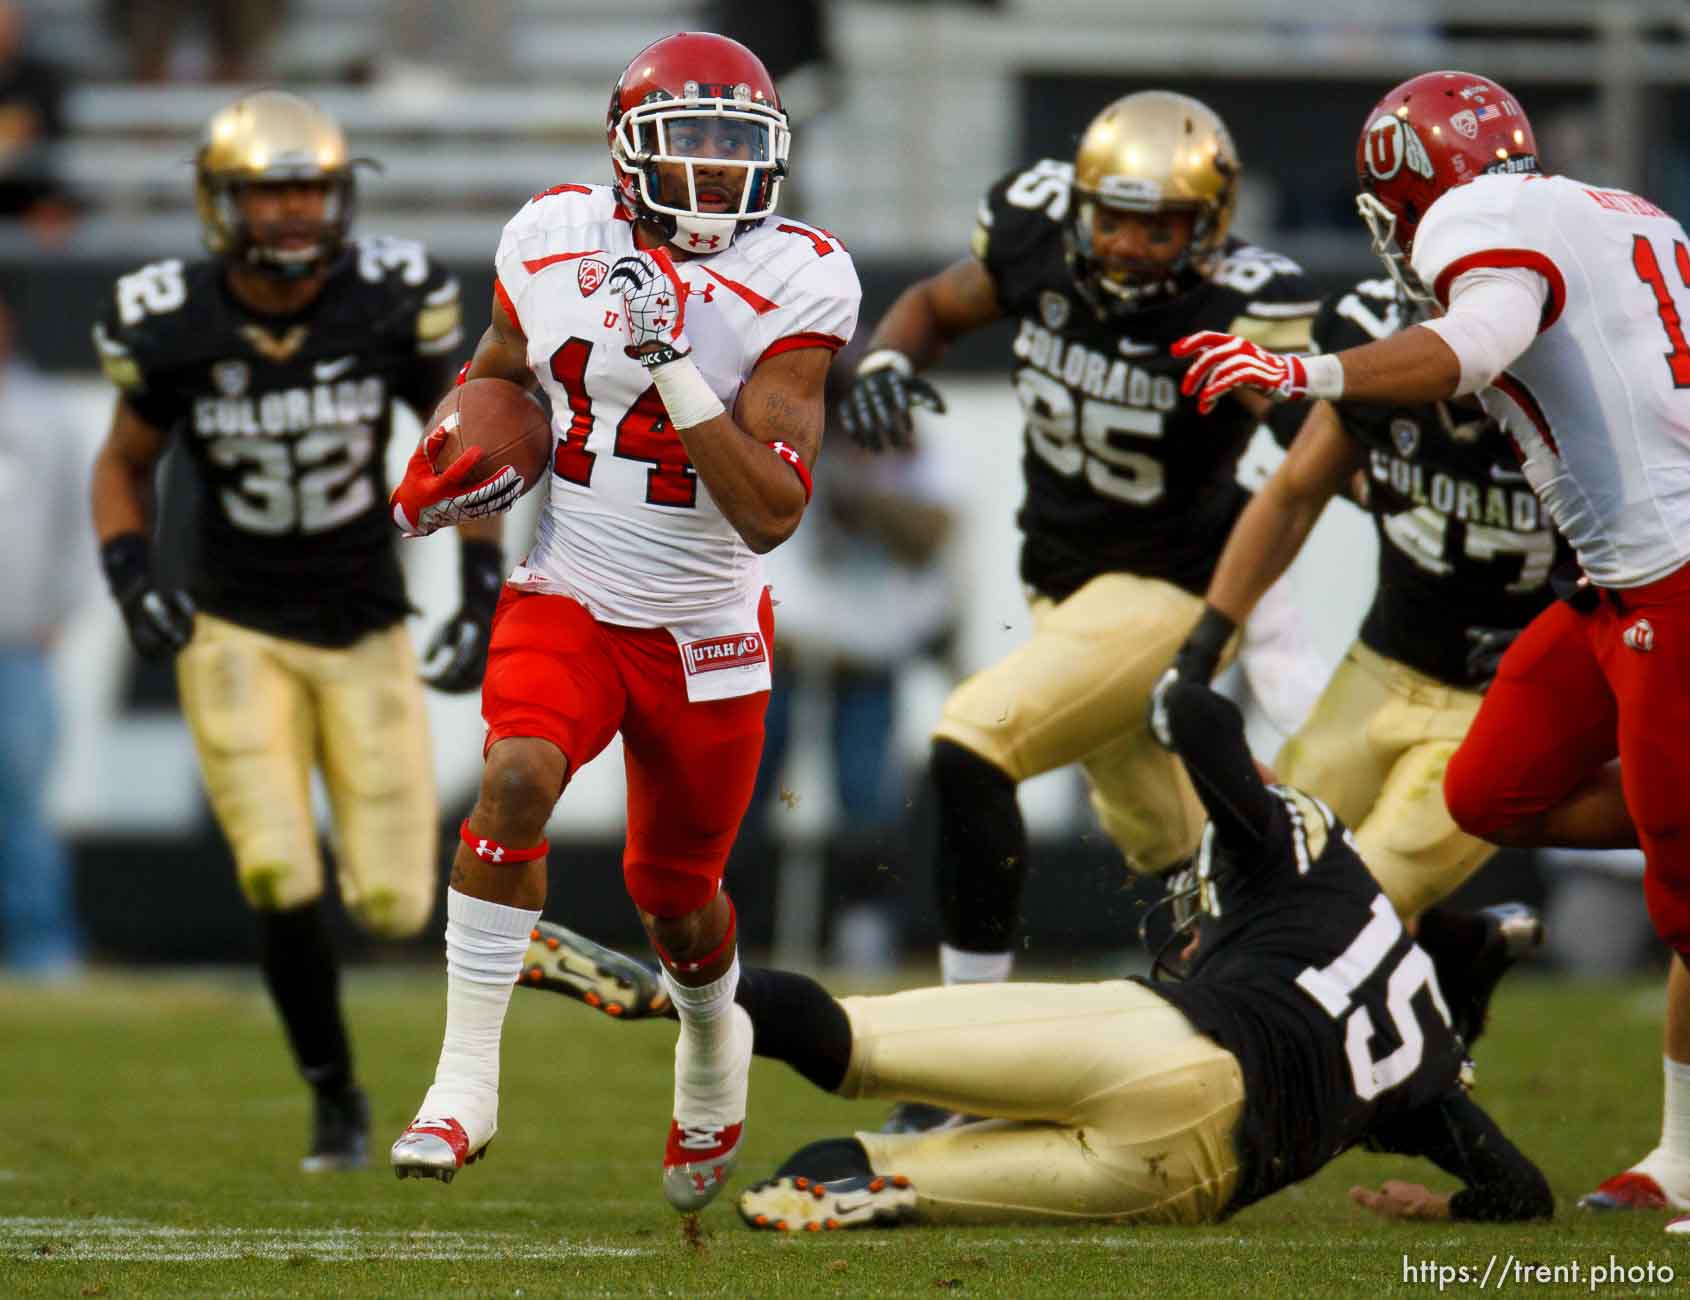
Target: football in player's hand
503	419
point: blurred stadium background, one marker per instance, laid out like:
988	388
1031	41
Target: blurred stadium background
904	113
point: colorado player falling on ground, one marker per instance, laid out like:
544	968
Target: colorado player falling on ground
1102	263
275	363
1464	563
1563	308
1307	1021
683	333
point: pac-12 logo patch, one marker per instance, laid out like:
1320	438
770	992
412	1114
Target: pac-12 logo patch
1640	636
1053	309
590	273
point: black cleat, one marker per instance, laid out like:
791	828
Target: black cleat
1512	931
564	962
920	1117
340	1133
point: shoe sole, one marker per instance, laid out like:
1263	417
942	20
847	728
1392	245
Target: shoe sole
436	1171
803	1205
561	961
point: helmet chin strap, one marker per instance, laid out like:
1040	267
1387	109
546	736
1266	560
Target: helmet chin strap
703	235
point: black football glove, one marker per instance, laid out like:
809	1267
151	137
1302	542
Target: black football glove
160	622
875	414
457	657
1195	661
1485	648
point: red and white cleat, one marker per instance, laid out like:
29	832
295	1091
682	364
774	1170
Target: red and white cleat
697	1162
1631	1189
435	1147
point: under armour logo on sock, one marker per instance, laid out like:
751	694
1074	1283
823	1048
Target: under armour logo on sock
490	852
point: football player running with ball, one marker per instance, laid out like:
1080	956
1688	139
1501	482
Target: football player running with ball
1304	1020
1101	263
683	333
1561	305
1465	554
275	364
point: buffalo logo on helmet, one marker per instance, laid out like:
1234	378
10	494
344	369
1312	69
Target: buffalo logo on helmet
1392	144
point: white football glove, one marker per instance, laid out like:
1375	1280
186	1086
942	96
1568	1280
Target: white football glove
654	303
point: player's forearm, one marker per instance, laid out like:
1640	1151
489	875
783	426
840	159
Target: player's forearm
121	494
1262	545
757	492
1408	369
914	327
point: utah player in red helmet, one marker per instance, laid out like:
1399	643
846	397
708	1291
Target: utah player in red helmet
1561	306
683	334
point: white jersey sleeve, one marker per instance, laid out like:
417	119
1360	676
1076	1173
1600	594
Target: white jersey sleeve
814	294
1598	404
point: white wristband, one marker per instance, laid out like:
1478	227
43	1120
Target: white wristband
1326	376
886	359
687	398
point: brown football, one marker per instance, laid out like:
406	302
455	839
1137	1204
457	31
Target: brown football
509	425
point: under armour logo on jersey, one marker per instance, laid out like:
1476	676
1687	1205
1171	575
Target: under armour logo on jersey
697	240
490	852
1640	636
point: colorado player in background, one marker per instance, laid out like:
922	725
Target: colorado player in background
274	365
683	333
1562	307
1306	1021
1464	561
1101	263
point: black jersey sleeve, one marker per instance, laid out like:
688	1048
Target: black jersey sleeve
134	338
427	316
1019	213
1208	732
1501	1185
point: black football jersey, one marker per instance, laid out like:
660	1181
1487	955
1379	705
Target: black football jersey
1463	541
1122	473
286	421
1304	971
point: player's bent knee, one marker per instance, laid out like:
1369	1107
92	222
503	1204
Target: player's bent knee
962	774
390	914
272	886
667	893
1472	802
522	782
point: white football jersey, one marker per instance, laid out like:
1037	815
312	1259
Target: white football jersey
1599	404
629	530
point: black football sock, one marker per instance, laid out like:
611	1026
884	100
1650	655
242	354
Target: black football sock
827	1160
304	982
982	853
796	1020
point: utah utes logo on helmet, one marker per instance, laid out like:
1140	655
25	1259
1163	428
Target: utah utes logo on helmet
1393	144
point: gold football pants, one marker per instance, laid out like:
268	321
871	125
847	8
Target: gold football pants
263	711
1374	750
1113	1106
1078	692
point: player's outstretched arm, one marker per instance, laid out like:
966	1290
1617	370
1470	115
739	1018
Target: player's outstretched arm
1500	1184
1410	368
920	324
1207	731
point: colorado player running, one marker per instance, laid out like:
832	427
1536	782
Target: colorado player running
1563	307
1464	562
1307	1022
1101	263
274	365
683	333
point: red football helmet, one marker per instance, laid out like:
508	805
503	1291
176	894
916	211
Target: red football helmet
1426	136
701	102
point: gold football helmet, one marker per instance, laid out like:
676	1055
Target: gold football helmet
1152	152
268	138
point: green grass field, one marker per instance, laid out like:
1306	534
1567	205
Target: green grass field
153	1129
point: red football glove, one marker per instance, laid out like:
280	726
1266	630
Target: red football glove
425	501
1229	362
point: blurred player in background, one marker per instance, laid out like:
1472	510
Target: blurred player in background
1305	1021
275	363
1102	263
1562	306
1464	563
683	333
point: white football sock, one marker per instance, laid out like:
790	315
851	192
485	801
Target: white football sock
959	966
485	943
713	1052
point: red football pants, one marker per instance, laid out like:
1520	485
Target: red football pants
555	672
1573	692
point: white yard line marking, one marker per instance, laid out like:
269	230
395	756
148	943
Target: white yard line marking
131	1240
